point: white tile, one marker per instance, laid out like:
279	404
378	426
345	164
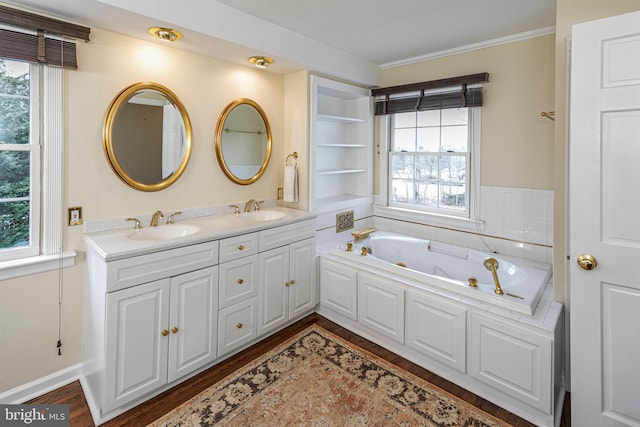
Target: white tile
536	231
535	207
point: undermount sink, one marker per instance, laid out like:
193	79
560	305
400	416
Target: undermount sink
164	232
263	215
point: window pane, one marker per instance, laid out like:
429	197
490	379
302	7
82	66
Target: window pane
14	170
401	191
429	139
455	138
404	140
14	224
455	116
453	195
427	167
402	166
14	102
429	118
427	194
404	120
453	168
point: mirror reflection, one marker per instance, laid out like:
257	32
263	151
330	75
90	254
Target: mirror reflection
243	141
147	136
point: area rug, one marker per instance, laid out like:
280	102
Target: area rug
319	379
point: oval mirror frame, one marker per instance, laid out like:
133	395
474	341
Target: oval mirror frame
220	130
117	104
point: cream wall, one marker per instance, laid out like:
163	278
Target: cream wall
517	143
109	63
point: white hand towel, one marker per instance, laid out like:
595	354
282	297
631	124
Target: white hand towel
291	184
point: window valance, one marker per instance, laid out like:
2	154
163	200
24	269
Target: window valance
26	36
453	92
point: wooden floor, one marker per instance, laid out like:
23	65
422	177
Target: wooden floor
151	410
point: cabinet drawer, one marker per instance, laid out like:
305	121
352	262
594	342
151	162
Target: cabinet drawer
280	236
133	271
237	325
238	247
238	280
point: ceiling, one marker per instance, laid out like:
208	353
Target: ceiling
314	34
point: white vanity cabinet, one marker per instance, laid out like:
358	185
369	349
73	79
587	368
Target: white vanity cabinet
149	320
158	332
287	276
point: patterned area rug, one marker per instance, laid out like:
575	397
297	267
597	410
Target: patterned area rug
318	379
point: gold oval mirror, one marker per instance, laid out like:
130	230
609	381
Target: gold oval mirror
243	141
147	136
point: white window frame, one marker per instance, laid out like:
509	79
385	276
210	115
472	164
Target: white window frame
431	217
47	181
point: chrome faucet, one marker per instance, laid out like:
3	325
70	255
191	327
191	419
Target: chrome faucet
154	218
491	263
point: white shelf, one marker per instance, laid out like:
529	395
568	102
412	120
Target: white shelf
340	119
342	145
339	171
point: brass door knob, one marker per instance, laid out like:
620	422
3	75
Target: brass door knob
165	332
587	262
239	326
241	248
240	281
175	329
293	282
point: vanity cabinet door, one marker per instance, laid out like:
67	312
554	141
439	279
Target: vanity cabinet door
286	284
381	306
302	277
238	325
437	328
136	342
274	281
338	289
193	321
238	280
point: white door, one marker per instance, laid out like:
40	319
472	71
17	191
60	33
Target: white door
605	222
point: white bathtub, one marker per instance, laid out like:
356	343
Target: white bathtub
431	263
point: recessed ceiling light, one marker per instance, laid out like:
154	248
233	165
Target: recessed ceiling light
166	34
261	61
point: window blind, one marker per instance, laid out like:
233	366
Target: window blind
30	37
453	92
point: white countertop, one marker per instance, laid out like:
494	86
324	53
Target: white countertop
117	244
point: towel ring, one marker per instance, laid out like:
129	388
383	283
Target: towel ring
295	158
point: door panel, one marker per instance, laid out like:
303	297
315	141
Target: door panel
604	199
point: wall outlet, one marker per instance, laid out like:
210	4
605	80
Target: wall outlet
344	221
75	215
280	193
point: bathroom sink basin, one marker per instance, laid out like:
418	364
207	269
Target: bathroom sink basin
164	232
263	215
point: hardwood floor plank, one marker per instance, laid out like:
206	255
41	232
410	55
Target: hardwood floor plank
151	410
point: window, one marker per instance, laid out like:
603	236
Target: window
429	157
429	146
19	160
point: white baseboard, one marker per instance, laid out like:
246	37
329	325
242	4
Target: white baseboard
41	386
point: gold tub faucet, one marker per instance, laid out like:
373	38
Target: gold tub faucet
491	263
